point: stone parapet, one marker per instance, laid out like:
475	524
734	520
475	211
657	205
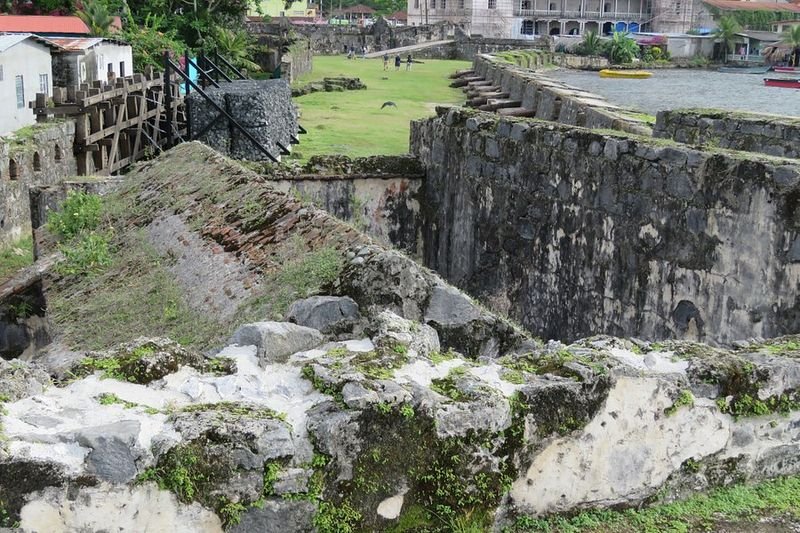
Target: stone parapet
769	134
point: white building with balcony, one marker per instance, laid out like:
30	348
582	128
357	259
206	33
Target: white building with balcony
520	19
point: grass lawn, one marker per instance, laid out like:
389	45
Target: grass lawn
353	123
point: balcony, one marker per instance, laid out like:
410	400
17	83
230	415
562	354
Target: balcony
569	14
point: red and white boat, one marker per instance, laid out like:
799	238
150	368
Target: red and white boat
784	69
786	83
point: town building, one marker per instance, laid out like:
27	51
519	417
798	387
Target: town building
49	25
358	14
520	19
25	69
89	59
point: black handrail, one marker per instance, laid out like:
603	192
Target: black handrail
227	63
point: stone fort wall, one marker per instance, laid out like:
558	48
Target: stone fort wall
768	134
37	156
575	232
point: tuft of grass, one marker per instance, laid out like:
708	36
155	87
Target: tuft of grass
685	399
15	256
352	123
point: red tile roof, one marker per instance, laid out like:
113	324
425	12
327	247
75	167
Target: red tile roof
43	24
358	9
398	15
738	5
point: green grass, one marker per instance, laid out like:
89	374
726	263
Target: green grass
352	122
15	256
699	513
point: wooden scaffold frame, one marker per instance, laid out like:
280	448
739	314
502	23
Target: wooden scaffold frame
120	122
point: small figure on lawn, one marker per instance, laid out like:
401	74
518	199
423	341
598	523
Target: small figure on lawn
397	62
385	61
408	62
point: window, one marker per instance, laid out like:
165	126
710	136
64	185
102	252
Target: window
44	84
525	4
443	4
677	8
433	4
121	69
1	72
20	84
460	4
37	162
416	4
527	27
492	4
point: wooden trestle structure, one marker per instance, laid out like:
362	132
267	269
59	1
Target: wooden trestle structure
121	122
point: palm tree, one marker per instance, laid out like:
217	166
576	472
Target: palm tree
726	31
591	43
237	47
95	15
791	40
623	48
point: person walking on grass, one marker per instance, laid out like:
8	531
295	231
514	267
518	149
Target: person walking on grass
385	61
408	62
397	62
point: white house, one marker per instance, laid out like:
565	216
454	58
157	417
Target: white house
25	69
87	59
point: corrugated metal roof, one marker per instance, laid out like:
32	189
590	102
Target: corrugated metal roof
12	39
738	5
76	43
43	24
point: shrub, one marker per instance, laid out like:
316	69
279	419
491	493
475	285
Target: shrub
81	212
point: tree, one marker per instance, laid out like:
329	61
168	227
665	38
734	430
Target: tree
623	48
95	14
592	44
237	47
727	28
791	39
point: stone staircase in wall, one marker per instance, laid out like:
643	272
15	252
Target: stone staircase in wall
494	84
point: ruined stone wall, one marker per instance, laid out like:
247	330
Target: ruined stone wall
386	209
38	155
548	99
328	40
773	135
298	60
295	57
379	195
575	233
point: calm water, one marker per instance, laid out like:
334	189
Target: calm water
676	88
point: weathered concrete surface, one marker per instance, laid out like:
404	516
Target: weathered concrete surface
108	507
378	195
574	233
386	209
769	134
